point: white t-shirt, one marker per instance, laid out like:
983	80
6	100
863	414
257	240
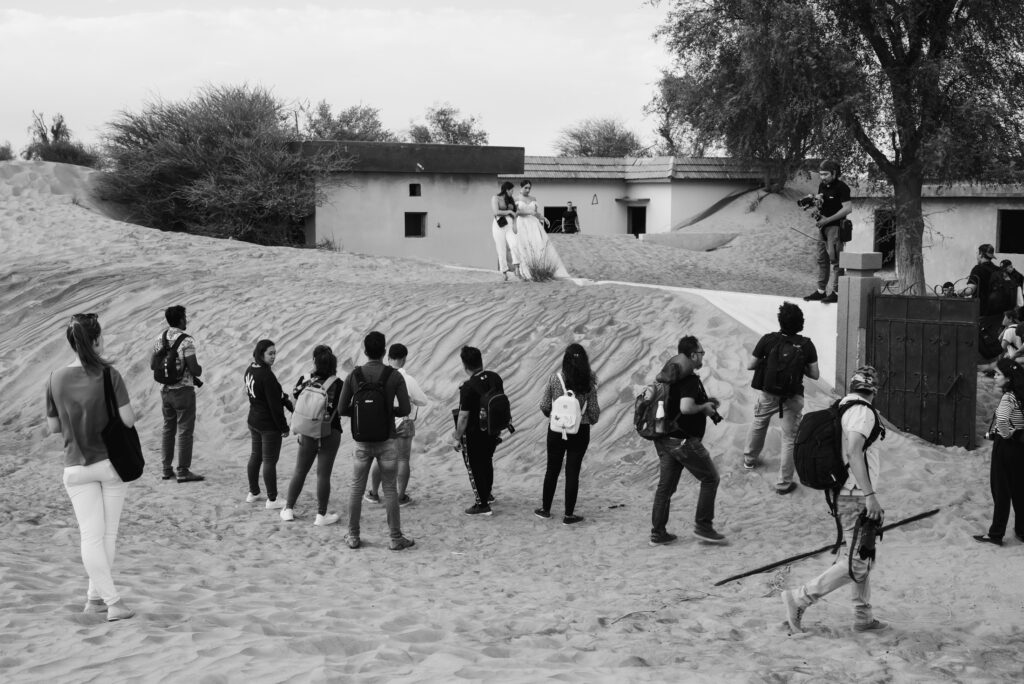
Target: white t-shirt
417	397
860	419
1010	337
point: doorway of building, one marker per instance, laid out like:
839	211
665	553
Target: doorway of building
636	220
554	217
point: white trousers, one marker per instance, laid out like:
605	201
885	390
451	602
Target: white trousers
97	495
505	241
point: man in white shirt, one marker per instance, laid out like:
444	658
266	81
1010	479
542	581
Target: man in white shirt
861	427
405	428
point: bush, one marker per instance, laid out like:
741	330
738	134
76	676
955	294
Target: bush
54	143
218	164
541	267
6	154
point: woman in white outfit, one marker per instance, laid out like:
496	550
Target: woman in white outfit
531	238
76	408
503	228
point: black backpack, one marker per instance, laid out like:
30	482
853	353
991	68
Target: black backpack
495	409
990	329
784	366
1002	292
372	419
167	365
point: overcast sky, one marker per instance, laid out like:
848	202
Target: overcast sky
527	69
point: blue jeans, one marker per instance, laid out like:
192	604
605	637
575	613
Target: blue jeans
266	450
323	452
179	409
675	455
386	456
829	248
766	406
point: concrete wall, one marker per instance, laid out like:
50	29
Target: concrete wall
366	214
693	197
607	217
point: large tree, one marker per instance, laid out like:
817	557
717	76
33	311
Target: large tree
599	138
927	90
358	122
445	124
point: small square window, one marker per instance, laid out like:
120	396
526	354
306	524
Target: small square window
1010	237
415	190
415	224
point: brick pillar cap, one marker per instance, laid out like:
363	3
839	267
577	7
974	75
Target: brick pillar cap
856	261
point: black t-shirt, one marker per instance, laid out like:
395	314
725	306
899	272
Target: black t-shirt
691	425
471	391
833	197
569	219
764	347
981	278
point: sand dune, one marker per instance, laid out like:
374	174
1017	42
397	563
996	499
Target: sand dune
227	592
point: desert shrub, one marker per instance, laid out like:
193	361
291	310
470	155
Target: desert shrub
53	143
6	153
218	164
541	267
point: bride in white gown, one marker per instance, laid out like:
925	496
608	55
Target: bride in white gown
532	243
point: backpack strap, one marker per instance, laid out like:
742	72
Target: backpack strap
178	341
358	376
562	382
831	498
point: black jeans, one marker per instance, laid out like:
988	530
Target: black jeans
179	410
1007	482
676	454
323	451
572	449
266	450
480	448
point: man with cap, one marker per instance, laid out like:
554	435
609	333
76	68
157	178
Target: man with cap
979	283
861	426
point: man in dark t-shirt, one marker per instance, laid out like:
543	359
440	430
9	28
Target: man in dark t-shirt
774	399
570	219
833	202
478	445
979	283
688	409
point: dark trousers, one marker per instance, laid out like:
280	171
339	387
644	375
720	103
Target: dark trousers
179	409
266	450
572	450
323	451
1007	481
480	448
676	454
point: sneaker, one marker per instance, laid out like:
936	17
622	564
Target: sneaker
873	626
275	504
541	513
708	534
659	538
794	612
250	497
478	509
985	539
831	299
401	543
353	541
287	514
572	519
328	519
372	497
404	500
814	296
94	606
186	475
749	463
119	611
169	474
785	488
490	498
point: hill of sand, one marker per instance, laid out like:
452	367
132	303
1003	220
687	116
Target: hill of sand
226	591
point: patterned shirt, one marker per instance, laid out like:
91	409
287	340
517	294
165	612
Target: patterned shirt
1009	417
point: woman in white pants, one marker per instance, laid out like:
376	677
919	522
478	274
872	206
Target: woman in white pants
76	408
503	229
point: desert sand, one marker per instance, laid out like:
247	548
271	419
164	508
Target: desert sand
225	591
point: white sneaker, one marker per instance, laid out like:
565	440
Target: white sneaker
328	519
276	503
250	498
287	515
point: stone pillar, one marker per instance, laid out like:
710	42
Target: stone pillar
855	287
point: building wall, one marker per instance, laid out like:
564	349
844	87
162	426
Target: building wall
954	227
607	217
659	209
366	214
692	197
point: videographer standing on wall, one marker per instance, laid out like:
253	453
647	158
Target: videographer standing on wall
833	205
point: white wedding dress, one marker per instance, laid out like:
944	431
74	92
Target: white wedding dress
532	243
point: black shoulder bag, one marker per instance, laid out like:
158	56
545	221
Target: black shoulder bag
123	447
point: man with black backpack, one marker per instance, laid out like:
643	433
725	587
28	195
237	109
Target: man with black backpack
175	367
483	413
373	395
858	509
996	292
780	362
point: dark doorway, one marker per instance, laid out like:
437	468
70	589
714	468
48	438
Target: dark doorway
885	236
636	220
1011	231
554	217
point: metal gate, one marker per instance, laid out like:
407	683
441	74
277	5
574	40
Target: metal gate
925	351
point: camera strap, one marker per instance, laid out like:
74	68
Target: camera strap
865	532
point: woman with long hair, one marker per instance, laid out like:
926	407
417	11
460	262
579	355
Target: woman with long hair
267	424
503	228
538	258
1007	471
76	408
320	449
575	375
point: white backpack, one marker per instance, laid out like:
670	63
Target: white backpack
566	414
310	415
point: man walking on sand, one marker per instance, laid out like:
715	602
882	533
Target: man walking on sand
687	409
780	362
369	397
177	394
861	426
